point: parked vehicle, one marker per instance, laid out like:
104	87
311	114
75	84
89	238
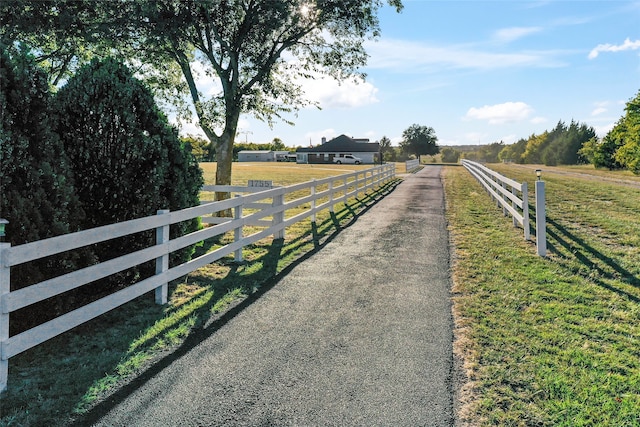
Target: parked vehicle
286	157
347	159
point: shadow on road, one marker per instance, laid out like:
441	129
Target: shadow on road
255	285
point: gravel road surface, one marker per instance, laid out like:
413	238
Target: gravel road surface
359	334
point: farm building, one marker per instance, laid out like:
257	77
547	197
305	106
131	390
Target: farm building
325	153
256	156
260	155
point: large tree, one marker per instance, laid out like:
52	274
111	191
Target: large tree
627	132
63	34
255	50
420	140
243	44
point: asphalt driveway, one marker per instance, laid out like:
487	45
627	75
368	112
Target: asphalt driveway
359	334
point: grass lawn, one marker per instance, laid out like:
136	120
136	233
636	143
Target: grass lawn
62	378
549	341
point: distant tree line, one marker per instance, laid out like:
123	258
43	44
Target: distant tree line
201	148
560	146
575	143
96	152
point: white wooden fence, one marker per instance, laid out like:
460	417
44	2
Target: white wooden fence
411	164
505	192
307	198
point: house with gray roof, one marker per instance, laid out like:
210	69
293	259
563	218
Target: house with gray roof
340	146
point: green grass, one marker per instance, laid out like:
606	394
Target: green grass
63	378
548	341
545	341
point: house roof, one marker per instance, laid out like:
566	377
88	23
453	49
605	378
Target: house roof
343	143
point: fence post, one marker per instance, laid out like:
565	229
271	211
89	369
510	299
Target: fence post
237	232
525	211
356	184
514	206
331	196
346	190
541	220
504	199
162	262
313	201
278	217
4	317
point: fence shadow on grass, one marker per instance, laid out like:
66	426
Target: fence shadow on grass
570	247
255	285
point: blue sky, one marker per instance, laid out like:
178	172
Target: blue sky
479	72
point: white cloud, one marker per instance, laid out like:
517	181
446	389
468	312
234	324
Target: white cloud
315	137
475	138
538	120
408	56
601	107
396	140
372	135
603	130
507	35
509	139
507	112
627	45
326	91
207	84
187	128
449	141
329	93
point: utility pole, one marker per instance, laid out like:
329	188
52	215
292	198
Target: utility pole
246	133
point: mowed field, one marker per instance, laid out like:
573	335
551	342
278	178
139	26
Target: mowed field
281	173
549	341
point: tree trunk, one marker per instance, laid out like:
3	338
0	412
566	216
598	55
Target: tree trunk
224	153
224	160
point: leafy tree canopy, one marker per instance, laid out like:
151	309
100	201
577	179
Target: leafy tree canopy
199	146
388	152
626	134
277	145
513	152
419	140
241	44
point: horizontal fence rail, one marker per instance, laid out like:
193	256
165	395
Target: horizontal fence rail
268	211
510	195
411	164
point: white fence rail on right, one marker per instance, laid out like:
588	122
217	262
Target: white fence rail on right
510	195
